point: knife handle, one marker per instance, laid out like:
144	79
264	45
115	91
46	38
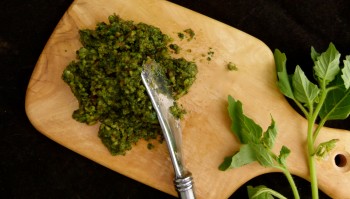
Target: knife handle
184	186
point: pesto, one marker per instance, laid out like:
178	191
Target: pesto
210	54
177	111
106	80
231	66
175	48
190	33
150	146
181	35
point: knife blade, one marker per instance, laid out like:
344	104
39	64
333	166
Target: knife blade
157	87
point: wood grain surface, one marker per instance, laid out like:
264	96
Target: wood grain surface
206	135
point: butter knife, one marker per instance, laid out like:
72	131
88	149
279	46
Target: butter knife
161	98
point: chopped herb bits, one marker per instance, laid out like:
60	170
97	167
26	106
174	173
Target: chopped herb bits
106	80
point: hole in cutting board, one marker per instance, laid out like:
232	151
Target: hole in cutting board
341	161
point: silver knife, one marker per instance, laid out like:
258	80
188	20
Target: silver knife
157	89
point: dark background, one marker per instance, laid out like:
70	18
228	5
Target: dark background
33	166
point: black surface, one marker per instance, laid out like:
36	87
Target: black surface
33	166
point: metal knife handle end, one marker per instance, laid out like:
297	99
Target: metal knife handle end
184	186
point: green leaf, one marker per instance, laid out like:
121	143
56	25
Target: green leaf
243	127
336	105
346	72
244	156
235	110
324	148
314	54
283	78
284	153
262	192
268	139
304	90
327	64
263	155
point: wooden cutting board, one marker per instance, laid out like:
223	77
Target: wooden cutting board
206	135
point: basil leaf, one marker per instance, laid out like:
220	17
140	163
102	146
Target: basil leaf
336	105
304	90
243	127
262	155
244	156
314	54
346	72
283	78
234	110
262	192
268	139
324	148
284	153
327	64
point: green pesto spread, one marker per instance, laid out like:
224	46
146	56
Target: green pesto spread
190	33
176	48
181	35
210	54
177	111
231	66
106	80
